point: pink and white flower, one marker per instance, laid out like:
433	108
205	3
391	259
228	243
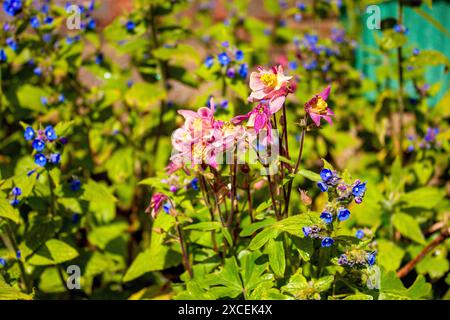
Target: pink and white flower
317	107
271	85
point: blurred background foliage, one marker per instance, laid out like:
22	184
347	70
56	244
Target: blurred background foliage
114	86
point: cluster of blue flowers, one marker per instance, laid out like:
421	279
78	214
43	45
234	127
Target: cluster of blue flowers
44	142
15	193
340	195
225	60
428	141
12	7
357	258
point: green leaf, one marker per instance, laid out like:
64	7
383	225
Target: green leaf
277	259
226	282
431	20
144	95
261	238
408	227
9	212
389	255
426	197
8	292
249	230
309	175
359	296
157	257
391	288
53	252
252	269
323	284
204	226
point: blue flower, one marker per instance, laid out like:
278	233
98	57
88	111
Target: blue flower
343	214
293	65
306	231
3	262
311	39
327	217
18	254
298	17
225	44
38	145
209	61
326	174
44	100
243	70
55	158
14	202
99	58
416	51
327	242
166	207
194	184
224	104
29	133
48	20
37	71
231	73
12	7
371	257
301	6
12	44
50	133
359	189
322	186
16	191
239	55
342	259
75	217
40	159
3	57
91	25
130	25
34	22
47	37
75	185
224	59
359	234
61	98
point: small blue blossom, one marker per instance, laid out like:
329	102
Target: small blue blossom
326	174
231	73
130	25
61	98
48	20
40	160
343	214
55	158
224	59
37	71
99	58
75	217
3	57
50	133
34	22
14	202
371	257
75	185
342	260
91	25
225	44
209	61
416	51
44	101
239	55
306	231
12	7
301	6
293	65
243	70
16	191
29	133
166	207
38	145
298	17
2	262
322	186
47	37
327	217
18	254
194	184
359	234
10	42
359	189
327	242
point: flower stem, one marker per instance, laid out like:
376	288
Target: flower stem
401	106
186	262
211	212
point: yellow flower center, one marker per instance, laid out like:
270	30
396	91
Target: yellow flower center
269	80
197	124
320	106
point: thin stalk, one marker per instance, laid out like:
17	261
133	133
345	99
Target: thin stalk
211	212
401	106
186	262
52	194
23	273
233	177
249	199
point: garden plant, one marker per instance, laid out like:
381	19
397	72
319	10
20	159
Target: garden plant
223	150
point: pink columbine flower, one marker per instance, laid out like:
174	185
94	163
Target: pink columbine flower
271	85
258	119
156	203
317	107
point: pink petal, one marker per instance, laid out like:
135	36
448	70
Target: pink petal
187	113
325	93
256	96
205	112
260	121
328	119
316	118
240	118
276	103
255	81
